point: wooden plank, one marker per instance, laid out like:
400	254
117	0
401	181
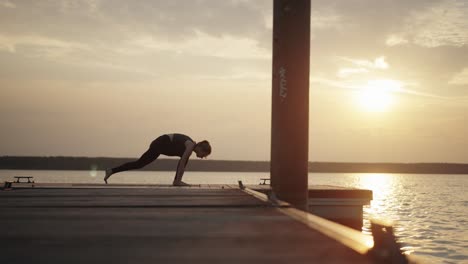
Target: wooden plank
326	191
68	226
187	197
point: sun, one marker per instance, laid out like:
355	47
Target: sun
377	95
374	99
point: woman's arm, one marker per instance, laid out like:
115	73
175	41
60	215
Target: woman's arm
189	145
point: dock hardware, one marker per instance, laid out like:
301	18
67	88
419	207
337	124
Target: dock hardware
7	185
273	199
241	185
264	181
381	247
386	249
30	179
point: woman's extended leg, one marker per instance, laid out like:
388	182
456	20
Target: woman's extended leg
149	156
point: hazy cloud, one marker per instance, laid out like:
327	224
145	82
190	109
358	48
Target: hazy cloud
361	66
460	78
119	34
152	58
109	20
203	44
394	40
7	4
346	72
377	63
443	24
325	18
51	47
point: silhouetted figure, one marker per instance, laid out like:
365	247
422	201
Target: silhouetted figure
170	145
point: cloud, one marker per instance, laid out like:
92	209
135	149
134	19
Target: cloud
155	36
362	66
378	63
441	24
346	72
97	21
227	29
7	4
48	46
390	85
325	18
7	45
395	40
143	38
460	78
333	83
204	45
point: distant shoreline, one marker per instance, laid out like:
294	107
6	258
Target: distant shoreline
101	163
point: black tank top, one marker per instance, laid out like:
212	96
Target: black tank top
176	146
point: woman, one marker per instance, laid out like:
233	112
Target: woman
170	145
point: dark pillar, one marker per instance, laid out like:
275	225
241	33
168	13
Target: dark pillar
290	101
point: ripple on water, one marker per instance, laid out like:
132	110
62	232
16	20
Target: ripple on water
457	256
447	228
429	210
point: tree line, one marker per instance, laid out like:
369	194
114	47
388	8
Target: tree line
101	163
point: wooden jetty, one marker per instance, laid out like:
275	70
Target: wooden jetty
163	224
204	224
335	203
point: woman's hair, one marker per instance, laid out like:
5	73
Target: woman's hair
205	146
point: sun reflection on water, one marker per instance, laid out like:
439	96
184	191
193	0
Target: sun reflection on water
383	190
381	185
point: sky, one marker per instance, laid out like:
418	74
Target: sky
388	79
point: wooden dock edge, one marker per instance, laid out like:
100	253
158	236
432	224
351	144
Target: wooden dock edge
351	238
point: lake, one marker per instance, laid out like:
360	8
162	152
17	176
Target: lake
431	210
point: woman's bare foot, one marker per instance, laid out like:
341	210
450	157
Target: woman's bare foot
180	183
108	174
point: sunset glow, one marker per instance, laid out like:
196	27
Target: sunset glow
234	131
78	76
377	96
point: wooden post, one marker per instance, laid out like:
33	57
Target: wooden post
290	101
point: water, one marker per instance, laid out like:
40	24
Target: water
430	210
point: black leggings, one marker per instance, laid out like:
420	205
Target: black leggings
149	156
